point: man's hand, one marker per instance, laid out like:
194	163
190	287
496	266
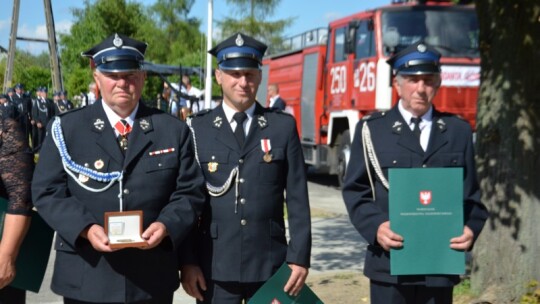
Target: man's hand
464	241
154	234
296	280
387	238
97	237
192	278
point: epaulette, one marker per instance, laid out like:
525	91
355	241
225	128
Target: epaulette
200	113
70	111
373	116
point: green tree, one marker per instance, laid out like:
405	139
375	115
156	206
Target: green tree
508	140
252	19
93	23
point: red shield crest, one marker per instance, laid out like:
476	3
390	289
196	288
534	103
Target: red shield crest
425	197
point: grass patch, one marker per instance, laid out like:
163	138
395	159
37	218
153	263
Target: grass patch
321	213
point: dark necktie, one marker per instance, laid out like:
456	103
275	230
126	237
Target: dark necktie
123	128
416	121
239	133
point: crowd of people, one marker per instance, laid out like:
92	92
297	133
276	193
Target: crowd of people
143	203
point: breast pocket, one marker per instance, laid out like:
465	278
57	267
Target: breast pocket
161	162
394	160
447	160
216	166
271	167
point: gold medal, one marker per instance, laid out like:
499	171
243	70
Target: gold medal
98	164
267	157
212	167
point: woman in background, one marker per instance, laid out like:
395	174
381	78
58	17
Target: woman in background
16	168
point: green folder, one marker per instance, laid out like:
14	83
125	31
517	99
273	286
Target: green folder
272	291
34	252
426	209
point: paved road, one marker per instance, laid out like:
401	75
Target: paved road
336	244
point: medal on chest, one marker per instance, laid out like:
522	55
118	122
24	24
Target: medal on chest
266	148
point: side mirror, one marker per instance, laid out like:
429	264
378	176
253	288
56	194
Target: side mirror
391	39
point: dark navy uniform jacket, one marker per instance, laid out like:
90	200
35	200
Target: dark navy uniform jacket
167	187
249	245
450	145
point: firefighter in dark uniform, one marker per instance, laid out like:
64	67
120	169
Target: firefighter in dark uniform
117	155
412	134
24	109
250	157
42	112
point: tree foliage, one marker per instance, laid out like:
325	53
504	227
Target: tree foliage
508	145
252	19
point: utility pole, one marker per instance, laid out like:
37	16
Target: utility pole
56	74
11	50
53	47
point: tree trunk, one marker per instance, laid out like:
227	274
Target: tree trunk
506	256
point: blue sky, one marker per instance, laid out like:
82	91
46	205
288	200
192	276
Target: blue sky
309	14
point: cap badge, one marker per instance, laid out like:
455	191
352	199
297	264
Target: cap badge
421	48
239	41
118	42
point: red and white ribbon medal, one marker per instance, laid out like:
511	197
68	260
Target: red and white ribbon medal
266	148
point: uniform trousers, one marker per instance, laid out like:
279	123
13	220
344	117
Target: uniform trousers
229	292
385	293
163	300
12	295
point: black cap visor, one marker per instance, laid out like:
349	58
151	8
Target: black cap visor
420	69
119	66
240	64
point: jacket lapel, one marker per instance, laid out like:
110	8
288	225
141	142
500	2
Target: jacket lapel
138	140
105	139
224	133
258	122
400	127
437	138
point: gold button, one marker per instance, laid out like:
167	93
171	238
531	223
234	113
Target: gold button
243	222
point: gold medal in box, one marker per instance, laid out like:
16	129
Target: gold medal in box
266	148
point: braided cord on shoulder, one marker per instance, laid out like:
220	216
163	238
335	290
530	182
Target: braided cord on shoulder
371	157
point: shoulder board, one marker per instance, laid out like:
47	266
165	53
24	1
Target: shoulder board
373	116
70	111
200	113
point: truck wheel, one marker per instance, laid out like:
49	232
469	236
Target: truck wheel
344	155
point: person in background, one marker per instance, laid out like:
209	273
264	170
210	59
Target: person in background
194	104
117	155
16	165
413	134
7	108
275	101
42	112
24	110
92	93
251	156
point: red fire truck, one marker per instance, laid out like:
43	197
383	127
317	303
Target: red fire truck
332	77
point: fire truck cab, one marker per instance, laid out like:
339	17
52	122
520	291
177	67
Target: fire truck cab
332	77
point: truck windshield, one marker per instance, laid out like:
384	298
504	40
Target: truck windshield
453	32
